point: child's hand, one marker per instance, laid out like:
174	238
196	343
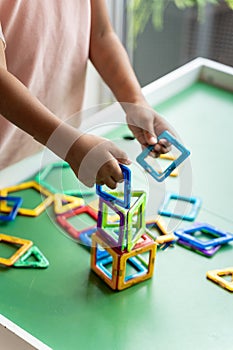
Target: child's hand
96	160
146	125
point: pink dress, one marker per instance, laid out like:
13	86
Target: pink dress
47	47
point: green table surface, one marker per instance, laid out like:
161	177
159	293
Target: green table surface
67	306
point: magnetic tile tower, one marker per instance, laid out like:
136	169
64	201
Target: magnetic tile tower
128	253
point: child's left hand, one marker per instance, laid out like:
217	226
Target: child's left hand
147	125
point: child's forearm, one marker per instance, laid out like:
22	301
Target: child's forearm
25	111
22	109
111	60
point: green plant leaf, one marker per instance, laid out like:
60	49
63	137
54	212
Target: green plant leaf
142	11
230	3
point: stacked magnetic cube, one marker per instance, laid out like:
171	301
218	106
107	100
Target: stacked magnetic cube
128	254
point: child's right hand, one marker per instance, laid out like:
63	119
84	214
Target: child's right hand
96	160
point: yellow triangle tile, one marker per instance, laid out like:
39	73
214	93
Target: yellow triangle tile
24	246
217	277
71	203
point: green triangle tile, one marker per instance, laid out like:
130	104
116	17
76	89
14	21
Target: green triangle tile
40	262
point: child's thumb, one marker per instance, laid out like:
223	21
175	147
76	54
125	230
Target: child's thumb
124	161
149	133
121	156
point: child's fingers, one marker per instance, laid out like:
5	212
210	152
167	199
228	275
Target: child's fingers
149	138
110	174
164	143
154	154
117	175
119	154
111	183
162	147
124	161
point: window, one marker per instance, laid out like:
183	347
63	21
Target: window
182	38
